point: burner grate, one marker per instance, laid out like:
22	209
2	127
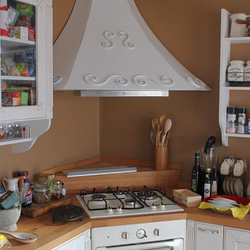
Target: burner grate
67	213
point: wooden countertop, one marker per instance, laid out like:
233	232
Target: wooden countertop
51	234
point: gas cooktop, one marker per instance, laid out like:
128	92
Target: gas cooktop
114	202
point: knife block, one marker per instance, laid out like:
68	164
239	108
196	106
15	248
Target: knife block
160	158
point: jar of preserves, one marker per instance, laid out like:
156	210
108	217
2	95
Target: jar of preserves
41	194
56	187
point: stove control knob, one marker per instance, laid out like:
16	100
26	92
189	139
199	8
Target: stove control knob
125	235
119	210
156	232
141	233
110	210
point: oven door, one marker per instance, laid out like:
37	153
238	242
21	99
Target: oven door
176	244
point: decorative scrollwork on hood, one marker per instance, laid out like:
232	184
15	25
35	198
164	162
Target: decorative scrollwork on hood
126	44
108	44
142	81
109	34
93	80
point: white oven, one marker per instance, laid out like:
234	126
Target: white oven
165	235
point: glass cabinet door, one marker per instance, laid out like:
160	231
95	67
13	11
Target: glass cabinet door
26	61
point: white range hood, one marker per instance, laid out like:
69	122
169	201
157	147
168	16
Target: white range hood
107	49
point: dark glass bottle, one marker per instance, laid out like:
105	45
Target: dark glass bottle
214	183
207	183
195	181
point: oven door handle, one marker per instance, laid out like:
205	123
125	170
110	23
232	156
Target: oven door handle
139	248
176	244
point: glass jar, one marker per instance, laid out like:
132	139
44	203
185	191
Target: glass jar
41	194
10	132
241	120
56	189
231	120
2	133
18	131
247	72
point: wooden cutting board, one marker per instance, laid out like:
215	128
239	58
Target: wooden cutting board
38	209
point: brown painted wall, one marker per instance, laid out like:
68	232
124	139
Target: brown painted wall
120	127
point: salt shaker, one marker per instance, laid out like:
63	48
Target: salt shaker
231	120
235	71
241	120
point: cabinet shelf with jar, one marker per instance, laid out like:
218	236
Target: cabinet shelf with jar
225	88
26	71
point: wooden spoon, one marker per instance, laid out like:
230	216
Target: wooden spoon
158	138
167	127
167	137
163	119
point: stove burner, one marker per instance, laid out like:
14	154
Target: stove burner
147	195
98	197
130	202
67	213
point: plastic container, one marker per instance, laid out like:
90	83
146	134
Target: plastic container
26	194
41	194
231	120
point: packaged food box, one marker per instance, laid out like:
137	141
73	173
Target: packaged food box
25	21
21	32
25	9
187	197
31	35
11	99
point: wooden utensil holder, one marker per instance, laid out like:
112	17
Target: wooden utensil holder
160	158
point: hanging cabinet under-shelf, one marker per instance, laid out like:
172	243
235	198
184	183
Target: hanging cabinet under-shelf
225	51
37	112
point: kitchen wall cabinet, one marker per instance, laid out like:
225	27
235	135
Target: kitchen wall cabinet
236	239
204	236
225	90
37	113
80	242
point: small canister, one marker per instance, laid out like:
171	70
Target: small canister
247	72
41	194
231	120
241	120
42	178
235	71
56	189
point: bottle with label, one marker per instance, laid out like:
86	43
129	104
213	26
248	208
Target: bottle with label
231	120
241	120
214	182
26	195
207	183
195	182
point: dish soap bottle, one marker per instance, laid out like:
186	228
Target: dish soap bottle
26	195
195	182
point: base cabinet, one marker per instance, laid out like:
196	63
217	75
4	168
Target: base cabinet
236	239
80	242
208	236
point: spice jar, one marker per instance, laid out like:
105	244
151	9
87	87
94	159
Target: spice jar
56	189
10	132
2	133
231	120
241	120
18	130
41	194
235	71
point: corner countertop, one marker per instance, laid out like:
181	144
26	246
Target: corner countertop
51	234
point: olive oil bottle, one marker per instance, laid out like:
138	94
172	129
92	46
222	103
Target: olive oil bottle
195	180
